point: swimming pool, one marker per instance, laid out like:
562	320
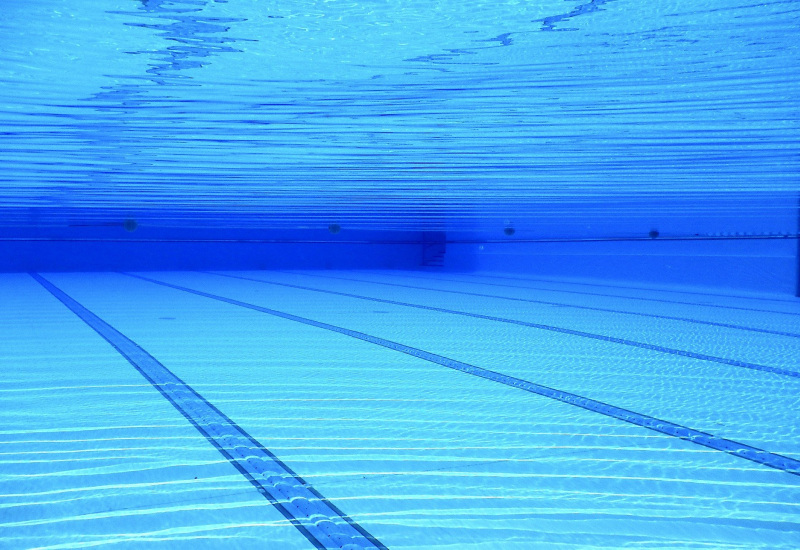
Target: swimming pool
399	274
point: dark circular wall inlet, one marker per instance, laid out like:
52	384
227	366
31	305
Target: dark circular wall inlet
653	233
334	228
130	225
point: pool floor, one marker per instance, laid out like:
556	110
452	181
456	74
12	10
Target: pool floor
402	409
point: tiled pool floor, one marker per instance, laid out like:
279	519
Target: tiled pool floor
434	410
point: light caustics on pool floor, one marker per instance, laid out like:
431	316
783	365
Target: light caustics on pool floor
394	409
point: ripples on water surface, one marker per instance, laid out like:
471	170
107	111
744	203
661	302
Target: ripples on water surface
400	114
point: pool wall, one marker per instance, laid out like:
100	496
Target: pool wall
740	247
103	249
767	264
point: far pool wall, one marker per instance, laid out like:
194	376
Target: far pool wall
746	242
112	249
769	265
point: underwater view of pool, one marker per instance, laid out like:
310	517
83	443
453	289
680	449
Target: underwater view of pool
397	274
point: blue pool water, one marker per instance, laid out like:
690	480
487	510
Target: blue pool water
407	275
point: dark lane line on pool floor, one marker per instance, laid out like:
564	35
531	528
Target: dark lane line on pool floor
584	293
322	523
791	301
548	303
561	330
741	450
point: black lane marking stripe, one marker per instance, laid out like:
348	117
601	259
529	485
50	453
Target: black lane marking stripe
322	523
571	332
583	293
791	301
544	302
754	454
